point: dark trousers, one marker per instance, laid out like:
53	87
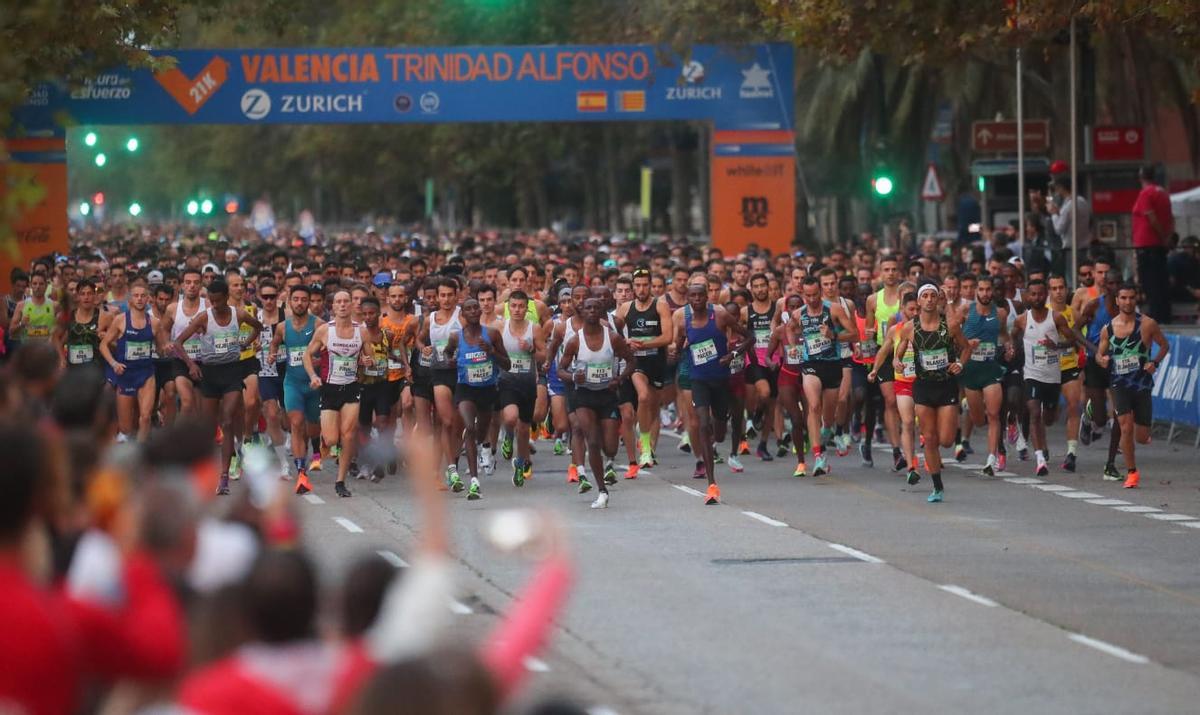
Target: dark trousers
1152	276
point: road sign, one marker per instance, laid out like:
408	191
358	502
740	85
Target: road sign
931	190
1001	137
1118	143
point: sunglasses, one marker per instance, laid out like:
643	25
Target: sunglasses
268	296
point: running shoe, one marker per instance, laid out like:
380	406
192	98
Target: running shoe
506	447
572	474
645	460
1085	427
751	433
967	447
685	443
1001	461
785	446
601	501
335	451
518	477
235	466
1042	469
713	495
717	458
698	472
763	454
355	471
486	461
527	470
610	474
843	444
800	470
899	463
1012	433
1132	479
934	497
473	491
559	449
864	452
913	476
584	485
340	488
1068	464
1111	474
735	464
989	469
377	474
453	480
960	452
302	485
314	464
743	448
821	466
631	472
223	485
1023	454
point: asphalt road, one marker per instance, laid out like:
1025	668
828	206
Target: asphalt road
847	593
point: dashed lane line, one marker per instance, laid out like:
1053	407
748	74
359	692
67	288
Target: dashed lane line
1137	509
460	608
536	665
764	518
348	525
1109	648
313	499
393	558
1171	517
860	555
688	490
970	596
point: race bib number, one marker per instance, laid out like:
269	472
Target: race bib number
704	352
225	343
479	367
646	352
793	355
983	352
439	349
137	351
737	364
343	367
908	366
192	348
395	364
425	360
37	331
266	368
244	333
521	362
845	349
1044	356
868	348
79	354
377	368
1126	363
600	373
934	360
295	357
762	337
817	343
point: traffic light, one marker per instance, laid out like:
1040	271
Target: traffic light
98	198
231	206
882	183
101	159
135	209
981	182
85	208
90	139
193	207
132	144
206	207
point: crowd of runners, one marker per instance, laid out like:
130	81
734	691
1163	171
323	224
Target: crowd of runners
504	345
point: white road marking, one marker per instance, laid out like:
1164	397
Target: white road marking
601	710
688	490
348	525
462	609
1079	495
1109	648
1054	487
1023	480
313	499
1170	517
1191	524
536	665
764	519
393	558
860	555
1108	502
1008	474
964	593
967	466
1137	509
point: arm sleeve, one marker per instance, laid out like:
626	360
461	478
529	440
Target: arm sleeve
415	611
525	628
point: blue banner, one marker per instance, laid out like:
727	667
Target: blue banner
747	87
1176	398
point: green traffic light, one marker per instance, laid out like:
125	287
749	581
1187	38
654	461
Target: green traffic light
132	144
193	207
85	208
883	185
982	184
90	139
206	206
101	159
135	209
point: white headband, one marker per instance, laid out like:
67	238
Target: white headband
926	287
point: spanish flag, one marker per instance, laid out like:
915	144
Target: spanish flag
631	100
591	101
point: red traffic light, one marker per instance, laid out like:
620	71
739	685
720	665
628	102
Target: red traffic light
98	198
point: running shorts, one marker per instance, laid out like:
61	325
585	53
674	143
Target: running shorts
484	396
270	388
1095	376
654	367
602	402
335	397
829	372
902	388
1046	393
1139	402
935	393
713	395
422	384
787	378
301	397
978	374
375	400
757	373
133	379
521	393
737	384
250	366
220	379
179	369
1071	375
445	377
627	393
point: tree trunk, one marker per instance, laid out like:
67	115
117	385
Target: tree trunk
703	166
611	182
680	188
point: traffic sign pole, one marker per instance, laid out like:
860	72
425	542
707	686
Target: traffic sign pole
1020	153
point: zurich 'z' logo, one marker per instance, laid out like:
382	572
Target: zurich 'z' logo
256	104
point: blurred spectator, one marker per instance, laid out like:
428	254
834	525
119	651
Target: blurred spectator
1153	225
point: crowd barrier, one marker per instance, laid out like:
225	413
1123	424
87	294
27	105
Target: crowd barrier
1176	394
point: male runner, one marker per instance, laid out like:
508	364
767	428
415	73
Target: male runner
338	383
1069	366
1041	332
525	343
375	402
300	400
1097	313
126	347
822	366
34	317
761	382
839	291
648	325
175	320
432	340
787	341
983	375
78	339
270	380
1125	346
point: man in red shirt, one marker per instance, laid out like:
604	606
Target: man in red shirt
1152	228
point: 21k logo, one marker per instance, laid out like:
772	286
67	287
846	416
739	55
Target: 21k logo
193	92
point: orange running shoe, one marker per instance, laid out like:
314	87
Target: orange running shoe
220	436
744	448
632	471
713	495
572	474
302	485
1132	479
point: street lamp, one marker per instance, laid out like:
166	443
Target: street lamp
90	139
135	209
193	207
101	159
132	144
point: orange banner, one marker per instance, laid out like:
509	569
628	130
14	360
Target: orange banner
41	228
753	201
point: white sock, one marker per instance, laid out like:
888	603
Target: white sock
1040	456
